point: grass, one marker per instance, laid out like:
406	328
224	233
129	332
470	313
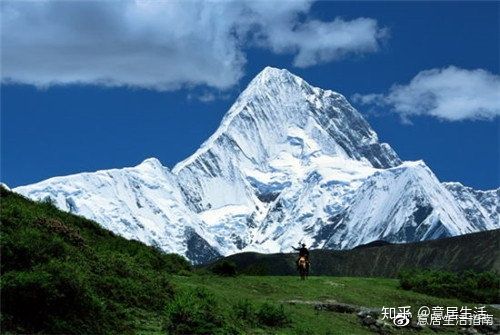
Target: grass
470	286
367	292
61	273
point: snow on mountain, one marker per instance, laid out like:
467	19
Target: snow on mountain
142	203
280	133
290	162
405	203
480	207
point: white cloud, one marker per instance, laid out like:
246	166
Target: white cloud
165	45
450	94
208	96
319	42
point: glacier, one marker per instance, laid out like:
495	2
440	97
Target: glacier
289	162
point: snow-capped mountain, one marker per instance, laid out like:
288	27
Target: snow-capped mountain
480	207
290	162
417	207
143	203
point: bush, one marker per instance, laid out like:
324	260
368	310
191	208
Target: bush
245	311
469	286
174	263
193	312
257	269
272	315
55	297
225	268
185	273
197	311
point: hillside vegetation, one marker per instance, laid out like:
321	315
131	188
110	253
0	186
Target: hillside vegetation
478	252
482	287
61	273
240	300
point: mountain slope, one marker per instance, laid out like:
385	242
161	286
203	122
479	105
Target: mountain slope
280	133
278	118
480	207
142	203
406	203
63	274
289	162
476	251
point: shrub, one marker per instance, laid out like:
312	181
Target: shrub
469	286
193	312
257	269
272	316
197	311
185	273
174	263
244	310
225	268
55	297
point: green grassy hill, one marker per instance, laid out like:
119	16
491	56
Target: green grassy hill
477	251
299	297
63	274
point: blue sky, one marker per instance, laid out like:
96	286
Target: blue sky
68	108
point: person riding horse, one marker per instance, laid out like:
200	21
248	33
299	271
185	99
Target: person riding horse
303	252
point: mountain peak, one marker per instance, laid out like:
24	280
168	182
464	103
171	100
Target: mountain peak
151	162
289	161
267	116
269	74
272	72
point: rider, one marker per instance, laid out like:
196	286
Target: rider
303	252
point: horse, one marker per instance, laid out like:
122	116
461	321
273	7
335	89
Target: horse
303	270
